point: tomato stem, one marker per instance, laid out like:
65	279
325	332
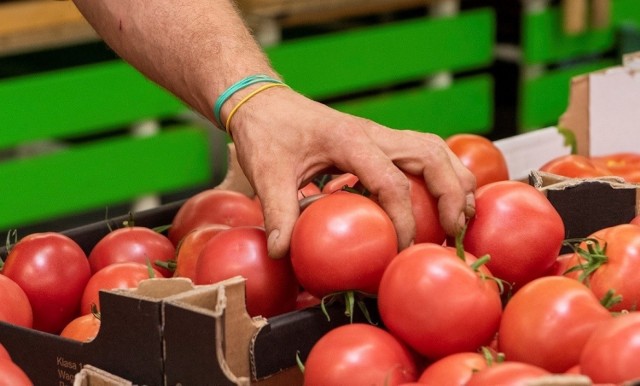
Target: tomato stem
459	242
299	362
590	258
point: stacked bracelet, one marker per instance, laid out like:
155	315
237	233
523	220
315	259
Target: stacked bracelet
245	82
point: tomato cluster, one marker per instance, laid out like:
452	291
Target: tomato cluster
497	305
624	165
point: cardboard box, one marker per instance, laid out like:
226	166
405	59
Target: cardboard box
93	376
168	331
587	205
129	343
603	109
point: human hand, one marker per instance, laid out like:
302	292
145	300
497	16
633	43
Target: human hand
284	139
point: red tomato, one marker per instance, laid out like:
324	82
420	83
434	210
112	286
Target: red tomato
547	322
625	165
575	166
359	355
339	182
14	307
84	328
427	292
612	351
518	228
508	373
425	212
134	243
342	242
52	270
635	220
481	156
454	370
305	300
114	276
10	373
616	267
215	206
561	265
189	249
271	287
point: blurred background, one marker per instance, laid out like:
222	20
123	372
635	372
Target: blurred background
85	137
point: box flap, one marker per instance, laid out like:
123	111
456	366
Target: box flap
603	109
587	205
93	376
529	151
207	335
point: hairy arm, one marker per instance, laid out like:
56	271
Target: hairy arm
195	49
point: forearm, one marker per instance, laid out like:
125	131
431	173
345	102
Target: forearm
195	49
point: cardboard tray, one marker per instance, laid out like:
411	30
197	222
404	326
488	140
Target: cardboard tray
168	331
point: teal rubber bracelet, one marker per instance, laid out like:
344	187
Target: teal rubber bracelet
239	85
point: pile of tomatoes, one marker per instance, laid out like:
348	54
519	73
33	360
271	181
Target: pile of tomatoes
496	305
623	165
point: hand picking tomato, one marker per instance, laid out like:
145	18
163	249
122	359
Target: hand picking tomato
52	270
611	262
436	303
518	228
84	328
10	373
132	243
215	206
359	355
481	156
189	248
14	307
612	351
548	321
271	286
342	242
509	373
121	275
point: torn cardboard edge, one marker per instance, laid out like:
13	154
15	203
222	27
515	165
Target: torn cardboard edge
603	109
93	376
587	205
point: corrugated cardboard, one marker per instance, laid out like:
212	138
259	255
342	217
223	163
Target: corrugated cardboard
93	376
604	111
587	205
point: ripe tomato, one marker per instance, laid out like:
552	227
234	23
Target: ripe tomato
133	243
215	206
52	270
14	307
612	350
10	373
518	228
84	328
481	156
575	166
271	287
189	249
635	220
625	165
305	300
615	266
455	369
425	212
114	276
438	305
359	355
510	373
547	322
342	242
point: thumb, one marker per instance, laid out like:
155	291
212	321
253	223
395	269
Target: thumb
281	210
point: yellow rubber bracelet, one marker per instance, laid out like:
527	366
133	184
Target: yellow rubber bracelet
246	98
